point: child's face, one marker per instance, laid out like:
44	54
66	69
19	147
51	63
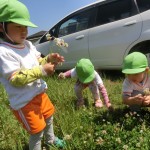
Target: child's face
136	78
16	32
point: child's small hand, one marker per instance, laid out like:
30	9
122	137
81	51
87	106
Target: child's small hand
55	58
138	99
49	68
61	75
146	100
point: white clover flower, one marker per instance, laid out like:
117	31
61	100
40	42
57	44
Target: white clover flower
59	42
127	115
108	122
141	131
48	37
138	145
141	139
99	141
104	132
118	140
125	147
90	113
67	137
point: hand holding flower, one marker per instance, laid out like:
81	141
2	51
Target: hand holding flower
55	58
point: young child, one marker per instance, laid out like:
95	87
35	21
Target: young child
87	77
21	71
135	91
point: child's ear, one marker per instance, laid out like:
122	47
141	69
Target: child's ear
147	69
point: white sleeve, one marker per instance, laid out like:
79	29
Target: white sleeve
98	79
73	72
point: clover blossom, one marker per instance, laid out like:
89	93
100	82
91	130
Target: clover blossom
59	42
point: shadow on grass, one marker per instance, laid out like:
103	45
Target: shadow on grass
124	116
26	147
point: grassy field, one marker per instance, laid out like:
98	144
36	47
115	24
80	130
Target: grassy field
86	128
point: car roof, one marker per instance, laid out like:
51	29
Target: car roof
98	1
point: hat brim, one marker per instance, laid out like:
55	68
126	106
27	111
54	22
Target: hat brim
133	71
88	79
24	22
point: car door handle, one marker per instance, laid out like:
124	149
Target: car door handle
79	37
130	23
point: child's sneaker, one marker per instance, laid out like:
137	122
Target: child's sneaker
57	143
98	104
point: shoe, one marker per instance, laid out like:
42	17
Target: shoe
57	143
98	104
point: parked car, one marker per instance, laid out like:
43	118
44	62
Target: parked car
104	31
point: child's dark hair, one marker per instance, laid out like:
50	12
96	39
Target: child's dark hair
5	26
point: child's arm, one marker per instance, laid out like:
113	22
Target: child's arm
54	58
103	91
133	100
64	75
25	76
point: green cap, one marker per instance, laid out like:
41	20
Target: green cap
16	12
135	62
85	70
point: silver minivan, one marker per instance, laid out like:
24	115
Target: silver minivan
104	31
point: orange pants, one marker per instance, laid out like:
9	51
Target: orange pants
33	115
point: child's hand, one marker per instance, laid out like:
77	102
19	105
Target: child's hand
61	75
146	100
49	68
55	58
138	99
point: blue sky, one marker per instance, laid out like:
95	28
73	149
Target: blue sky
45	13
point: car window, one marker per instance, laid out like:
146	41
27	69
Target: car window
143	5
115	10
77	22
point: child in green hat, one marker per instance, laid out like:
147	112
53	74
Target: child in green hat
87	77
21	72
135	90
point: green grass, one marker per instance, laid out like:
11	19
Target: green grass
86	128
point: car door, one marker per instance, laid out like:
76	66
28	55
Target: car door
118	24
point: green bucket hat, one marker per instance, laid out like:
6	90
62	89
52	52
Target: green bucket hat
85	70
16	12
135	62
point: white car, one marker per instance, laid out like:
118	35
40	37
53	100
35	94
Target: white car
104	31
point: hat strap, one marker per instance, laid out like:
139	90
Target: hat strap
3	24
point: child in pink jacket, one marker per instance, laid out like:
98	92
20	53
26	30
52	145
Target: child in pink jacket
87	77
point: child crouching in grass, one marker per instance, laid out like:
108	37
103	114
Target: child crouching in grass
87	77
135	90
